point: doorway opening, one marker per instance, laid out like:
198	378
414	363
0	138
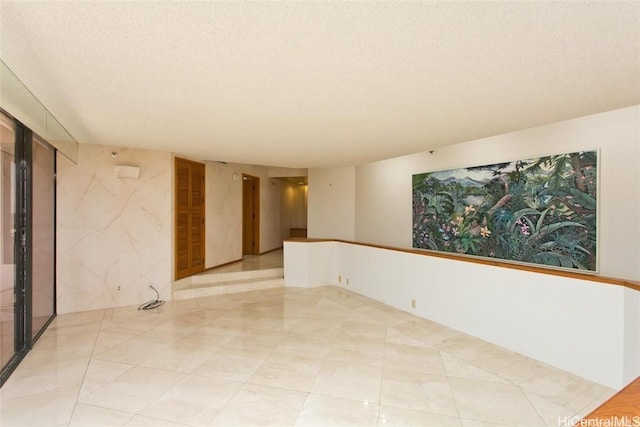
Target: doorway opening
250	215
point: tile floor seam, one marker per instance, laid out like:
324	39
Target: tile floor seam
178	381
5	401
381	380
162	420
86	370
587	405
304	404
133	415
535	407
453	396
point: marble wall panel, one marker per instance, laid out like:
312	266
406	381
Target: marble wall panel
113	234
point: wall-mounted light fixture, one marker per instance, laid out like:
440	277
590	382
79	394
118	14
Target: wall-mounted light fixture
114	154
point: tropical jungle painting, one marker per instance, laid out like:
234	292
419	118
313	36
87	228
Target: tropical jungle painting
541	211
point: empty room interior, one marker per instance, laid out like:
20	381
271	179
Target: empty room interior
223	213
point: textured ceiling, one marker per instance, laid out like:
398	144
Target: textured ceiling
313	84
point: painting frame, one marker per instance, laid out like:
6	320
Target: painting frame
541	211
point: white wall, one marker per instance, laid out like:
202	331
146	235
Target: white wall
223	205
113	231
632	333
383	189
270	205
293	212
587	328
332	195
546	317
549	318
308	266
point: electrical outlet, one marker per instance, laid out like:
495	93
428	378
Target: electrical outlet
339	279
118	288
413	303
347	282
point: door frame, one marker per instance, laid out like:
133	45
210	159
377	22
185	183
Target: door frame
24	336
256	214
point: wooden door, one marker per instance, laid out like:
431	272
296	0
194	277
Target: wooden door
189	213
250	215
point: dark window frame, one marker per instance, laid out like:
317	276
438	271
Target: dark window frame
24	338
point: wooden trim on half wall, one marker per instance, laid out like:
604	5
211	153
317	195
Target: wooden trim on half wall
577	274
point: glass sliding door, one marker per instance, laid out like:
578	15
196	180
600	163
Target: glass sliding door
27	240
42	234
8	325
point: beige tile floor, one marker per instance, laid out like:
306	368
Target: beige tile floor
283	356
273	259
